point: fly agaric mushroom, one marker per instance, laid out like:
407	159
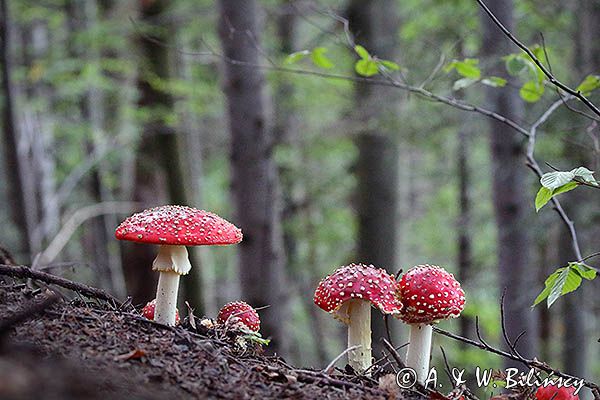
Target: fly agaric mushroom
173	228
552	392
348	294
148	311
429	294
239	314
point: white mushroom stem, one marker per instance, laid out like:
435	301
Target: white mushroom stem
171	262
419	350
359	334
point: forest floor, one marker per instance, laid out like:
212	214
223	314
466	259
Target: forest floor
84	349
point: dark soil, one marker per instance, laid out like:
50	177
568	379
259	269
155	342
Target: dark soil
92	350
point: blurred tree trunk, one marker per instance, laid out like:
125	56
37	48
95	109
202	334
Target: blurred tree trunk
82	17
580	202
375	25
508	188
158	162
464	220
254	174
11	159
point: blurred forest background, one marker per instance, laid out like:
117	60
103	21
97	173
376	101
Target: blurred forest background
113	106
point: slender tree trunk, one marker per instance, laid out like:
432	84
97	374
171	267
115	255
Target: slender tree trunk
254	174
159	162
11	159
464	220
575	305
375	25
508	188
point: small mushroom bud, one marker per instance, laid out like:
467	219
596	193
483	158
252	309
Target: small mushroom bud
239	314
148	312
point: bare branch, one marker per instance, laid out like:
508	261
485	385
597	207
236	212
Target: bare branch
537	62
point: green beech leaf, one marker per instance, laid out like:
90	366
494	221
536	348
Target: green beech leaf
366	67
362	52
589	84
295	57
531	91
555	179
584	173
494	81
319	58
584	271
567	281
389	65
468	68
548	284
514	64
542	198
463	83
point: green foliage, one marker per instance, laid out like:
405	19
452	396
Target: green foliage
369	65
589	84
519	64
557	182
468	68
563	281
295	57
531	91
319	58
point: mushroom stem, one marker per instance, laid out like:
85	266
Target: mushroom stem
171	262
166	298
359	334
419	350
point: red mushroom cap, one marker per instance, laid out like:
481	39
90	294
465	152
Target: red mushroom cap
148	312
178	225
358	281
239	312
429	293
552	392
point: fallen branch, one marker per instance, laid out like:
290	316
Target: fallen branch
23	272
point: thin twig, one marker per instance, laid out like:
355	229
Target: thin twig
329	367
537	62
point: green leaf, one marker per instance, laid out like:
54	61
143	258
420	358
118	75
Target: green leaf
295	57
584	271
544	194
366	67
319	58
564	188
494	81
463	83
549	283
567	281
362	52
468	68
542	198
554	180
389	65
589	84
563	281
531	91
514	64
584	173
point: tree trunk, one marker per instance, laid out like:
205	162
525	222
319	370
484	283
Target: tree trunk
375	25
577	204
254	174
464	221
11	159
508	188
158	162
